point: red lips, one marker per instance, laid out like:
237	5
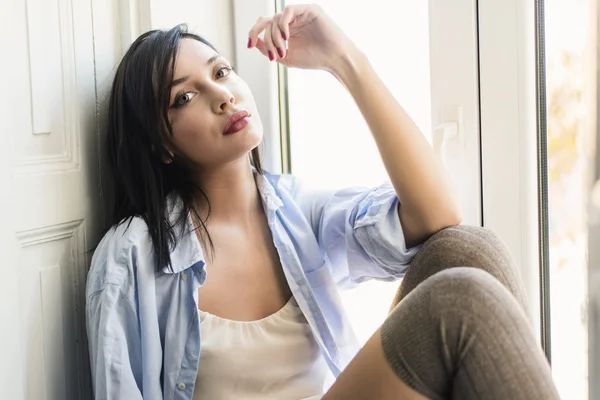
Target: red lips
234	123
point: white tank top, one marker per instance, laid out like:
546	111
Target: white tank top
275	357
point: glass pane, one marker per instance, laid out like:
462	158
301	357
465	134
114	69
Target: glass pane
331	146
570	90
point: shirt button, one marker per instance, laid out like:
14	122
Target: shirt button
184	277
181	385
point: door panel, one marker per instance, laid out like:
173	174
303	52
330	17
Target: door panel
52	209
62	57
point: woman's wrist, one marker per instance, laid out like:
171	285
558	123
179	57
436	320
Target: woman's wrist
349	68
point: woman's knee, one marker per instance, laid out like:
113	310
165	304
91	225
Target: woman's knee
460	290
464	246
457	293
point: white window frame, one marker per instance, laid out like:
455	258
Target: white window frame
455	83
508	92
594	272
262	77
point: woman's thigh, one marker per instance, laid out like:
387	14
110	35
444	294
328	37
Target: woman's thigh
370	377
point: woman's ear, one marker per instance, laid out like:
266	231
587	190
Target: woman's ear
166	160
169	159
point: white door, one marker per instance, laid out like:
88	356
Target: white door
50	200
58	59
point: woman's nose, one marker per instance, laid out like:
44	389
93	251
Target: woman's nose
223	99
227	103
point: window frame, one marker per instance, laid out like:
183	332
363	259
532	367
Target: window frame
593	240
263	79
510	130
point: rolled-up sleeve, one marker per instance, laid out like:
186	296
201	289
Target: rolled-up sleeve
114	344
359	229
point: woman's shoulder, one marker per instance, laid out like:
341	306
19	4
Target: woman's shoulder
112	261
299	189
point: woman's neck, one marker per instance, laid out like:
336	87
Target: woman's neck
231	191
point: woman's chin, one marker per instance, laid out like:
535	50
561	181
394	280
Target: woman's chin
252	137
243	147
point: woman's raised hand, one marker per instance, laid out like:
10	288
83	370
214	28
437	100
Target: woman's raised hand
314	41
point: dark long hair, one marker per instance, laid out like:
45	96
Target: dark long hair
136	129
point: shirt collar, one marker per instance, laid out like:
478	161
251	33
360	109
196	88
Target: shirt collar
188	251
271	200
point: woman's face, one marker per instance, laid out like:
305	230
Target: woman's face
206	103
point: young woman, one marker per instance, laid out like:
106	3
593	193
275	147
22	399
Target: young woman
218	280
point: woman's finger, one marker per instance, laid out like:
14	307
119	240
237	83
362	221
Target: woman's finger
277	36
268	39
259	26
260	45
284	22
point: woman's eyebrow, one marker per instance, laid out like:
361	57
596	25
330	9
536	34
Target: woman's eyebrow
214	58
178	81
185	78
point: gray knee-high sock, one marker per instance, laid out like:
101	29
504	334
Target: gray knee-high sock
460	334
464	246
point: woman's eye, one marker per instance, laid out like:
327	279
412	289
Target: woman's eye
183	99
223	72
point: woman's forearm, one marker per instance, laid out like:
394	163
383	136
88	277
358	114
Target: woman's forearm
427	202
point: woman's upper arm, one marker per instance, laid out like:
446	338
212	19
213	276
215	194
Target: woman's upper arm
359	229
114	344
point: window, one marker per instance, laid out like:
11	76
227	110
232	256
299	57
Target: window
331	145
570	91
322	112
533	131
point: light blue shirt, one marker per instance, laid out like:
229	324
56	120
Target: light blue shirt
143	329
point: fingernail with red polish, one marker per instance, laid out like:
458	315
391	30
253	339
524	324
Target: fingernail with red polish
249	42
271	55
280	52
283	35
